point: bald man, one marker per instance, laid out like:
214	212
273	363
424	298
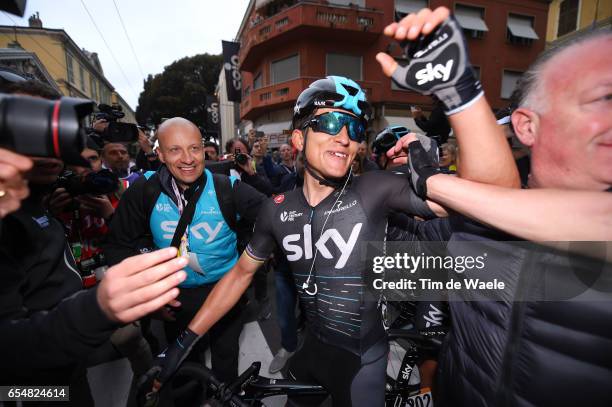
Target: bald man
148	215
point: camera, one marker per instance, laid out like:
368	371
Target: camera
95	183
44	128
239	158
116	132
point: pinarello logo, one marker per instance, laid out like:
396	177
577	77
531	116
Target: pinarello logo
279	199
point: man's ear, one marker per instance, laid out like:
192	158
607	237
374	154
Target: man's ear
297	139
526	124
160	155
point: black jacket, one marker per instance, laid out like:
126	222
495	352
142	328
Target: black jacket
518	351
47	322
437	126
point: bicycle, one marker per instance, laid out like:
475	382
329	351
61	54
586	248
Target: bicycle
249	389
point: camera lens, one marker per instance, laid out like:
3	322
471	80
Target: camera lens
44	128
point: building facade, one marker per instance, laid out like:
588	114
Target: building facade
287	44
569	19
75	71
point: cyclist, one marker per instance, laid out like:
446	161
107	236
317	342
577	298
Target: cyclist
319	228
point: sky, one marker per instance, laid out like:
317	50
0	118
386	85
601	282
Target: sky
161	32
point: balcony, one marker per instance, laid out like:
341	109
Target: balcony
309	20
272	97
283	95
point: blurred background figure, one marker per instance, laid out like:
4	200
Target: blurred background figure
448	157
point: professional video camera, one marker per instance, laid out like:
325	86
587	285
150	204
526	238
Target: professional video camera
95	183
116	132
44	128
109	113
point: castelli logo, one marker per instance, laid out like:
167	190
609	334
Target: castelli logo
279	199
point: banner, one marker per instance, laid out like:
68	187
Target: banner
233	79
213	119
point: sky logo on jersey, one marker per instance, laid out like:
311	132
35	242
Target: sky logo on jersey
435	317
407	372
194	230
43	221
163	207
431	73
295	251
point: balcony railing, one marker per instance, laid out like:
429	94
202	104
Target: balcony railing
312	14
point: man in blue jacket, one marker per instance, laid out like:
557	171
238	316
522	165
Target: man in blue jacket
148	215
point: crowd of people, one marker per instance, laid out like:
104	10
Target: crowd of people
186	228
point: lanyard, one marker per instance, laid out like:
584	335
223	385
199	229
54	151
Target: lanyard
184	246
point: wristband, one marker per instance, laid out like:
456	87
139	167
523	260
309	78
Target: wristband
439	65
421	168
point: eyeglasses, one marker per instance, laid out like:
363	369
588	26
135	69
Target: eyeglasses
332	123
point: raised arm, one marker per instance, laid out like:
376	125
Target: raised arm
484	154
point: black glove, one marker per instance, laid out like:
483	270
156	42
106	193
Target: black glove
439	65
171	358
421	168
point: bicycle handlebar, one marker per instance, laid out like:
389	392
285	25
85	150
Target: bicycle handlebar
228	394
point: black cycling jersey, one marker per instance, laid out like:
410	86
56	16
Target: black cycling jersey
342	312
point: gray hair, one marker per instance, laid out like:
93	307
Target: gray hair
529	92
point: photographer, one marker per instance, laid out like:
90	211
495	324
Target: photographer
115	137
211	151
244	167
146	159
84	201
48	323
436	126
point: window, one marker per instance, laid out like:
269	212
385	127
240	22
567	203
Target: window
69	68
344	65
82	74
94	89
471	20
405	7
359	3
285	69
257	82
520	30
104	95
509	81
568	17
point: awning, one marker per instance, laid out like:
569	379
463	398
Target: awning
274	128
470	19
409	6
522	27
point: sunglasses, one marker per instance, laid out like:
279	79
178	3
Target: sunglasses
332	123
384	141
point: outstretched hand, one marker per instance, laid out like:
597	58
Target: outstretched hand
13	185
438	60
409	29
141	284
